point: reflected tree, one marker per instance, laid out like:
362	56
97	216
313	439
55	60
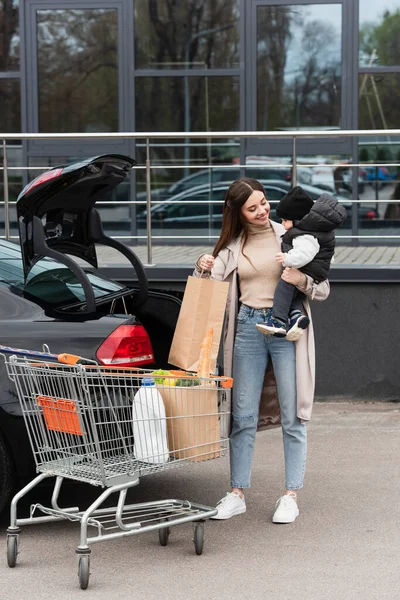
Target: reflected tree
315	91
78	70
274	37
9	45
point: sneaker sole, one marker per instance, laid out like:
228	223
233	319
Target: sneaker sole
223	518
297	330
271	330
284	521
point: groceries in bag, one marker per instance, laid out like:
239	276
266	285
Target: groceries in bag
191	406
149	424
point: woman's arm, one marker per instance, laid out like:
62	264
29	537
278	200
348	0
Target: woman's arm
305	284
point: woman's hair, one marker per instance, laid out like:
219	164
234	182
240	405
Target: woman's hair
233	222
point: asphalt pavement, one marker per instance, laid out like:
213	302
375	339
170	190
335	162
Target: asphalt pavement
343	546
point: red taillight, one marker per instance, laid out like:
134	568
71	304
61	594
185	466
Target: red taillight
127	346
45	177
371	214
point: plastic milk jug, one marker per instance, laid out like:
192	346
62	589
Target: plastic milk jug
149	424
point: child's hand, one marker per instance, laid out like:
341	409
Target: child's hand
280	257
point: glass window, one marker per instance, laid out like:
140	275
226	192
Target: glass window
211	103
379	33
299	52
196	34
9	35
10	105
379	107
77	70
48	280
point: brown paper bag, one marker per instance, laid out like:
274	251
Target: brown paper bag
192	422
203	307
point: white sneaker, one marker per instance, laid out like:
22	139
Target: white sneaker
286	510
232	504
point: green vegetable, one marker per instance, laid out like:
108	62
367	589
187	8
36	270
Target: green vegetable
160	380
187	382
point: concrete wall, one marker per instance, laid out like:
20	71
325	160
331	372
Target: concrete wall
357	338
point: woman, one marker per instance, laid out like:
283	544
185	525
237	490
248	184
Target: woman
245	256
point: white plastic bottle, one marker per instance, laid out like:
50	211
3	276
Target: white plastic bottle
149	424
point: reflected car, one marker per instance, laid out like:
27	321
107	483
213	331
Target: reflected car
228	174
201	207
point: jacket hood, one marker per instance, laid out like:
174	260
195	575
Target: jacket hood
326	214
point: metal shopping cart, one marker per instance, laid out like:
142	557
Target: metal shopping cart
102	426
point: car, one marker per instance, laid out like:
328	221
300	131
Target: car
379	176
201	207
48	297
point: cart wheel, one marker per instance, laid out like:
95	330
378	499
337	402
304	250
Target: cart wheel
84	571
198	538
163	535
12	550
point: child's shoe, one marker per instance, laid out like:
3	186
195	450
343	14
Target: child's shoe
272	326
297	324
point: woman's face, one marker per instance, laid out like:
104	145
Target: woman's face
256	209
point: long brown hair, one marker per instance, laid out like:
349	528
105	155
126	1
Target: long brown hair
233	222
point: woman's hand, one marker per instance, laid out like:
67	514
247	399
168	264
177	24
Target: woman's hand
206	262
294	276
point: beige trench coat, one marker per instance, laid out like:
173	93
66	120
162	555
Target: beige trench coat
225	269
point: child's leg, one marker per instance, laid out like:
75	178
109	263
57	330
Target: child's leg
298	321
297	304
284	295
276	322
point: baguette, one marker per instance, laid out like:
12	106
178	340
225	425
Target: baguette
204	367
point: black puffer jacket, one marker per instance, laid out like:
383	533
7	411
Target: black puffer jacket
324	217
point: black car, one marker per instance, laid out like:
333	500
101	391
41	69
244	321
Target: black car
47	297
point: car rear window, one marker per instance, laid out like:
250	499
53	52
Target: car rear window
50	281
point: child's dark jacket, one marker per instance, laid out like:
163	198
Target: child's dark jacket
324	217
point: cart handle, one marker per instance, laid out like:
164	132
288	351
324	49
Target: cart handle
65	358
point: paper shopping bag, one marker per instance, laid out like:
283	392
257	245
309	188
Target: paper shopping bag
192	422
203	307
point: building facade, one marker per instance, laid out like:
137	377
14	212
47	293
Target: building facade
202	65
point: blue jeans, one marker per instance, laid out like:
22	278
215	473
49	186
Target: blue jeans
252	352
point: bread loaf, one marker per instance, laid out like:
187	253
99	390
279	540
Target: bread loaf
204	367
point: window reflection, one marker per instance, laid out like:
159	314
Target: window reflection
379	33
298	66
201	33
10	105
9	35
378	106
77	70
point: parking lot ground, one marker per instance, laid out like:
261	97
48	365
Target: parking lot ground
343	546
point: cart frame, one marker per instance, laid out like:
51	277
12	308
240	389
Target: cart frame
78	421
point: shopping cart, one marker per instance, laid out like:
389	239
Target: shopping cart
95	424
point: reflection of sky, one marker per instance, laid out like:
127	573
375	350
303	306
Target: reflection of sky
329	15
371	10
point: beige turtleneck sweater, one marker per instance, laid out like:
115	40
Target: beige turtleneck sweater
259	277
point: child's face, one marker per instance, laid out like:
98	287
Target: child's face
287	224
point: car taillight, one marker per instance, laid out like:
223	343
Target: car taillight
127	346
47	176
371	214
